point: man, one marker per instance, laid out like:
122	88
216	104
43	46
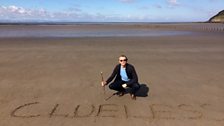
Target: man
126	76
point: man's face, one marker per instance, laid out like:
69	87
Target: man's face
122	61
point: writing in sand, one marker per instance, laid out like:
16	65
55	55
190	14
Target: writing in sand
113	111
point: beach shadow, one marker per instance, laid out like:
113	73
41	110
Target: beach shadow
142	91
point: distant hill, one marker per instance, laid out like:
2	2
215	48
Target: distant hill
218	18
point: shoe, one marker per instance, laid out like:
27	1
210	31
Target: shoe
133	97
120	94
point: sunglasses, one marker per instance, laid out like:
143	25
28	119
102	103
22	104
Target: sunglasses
123	60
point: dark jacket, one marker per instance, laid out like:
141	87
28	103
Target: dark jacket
131	73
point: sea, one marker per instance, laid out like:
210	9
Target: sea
82	29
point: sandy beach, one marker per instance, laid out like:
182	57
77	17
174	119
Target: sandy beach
55	81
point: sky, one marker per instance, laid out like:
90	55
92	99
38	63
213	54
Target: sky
109	10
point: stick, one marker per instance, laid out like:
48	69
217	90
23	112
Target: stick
111	96
102	81
104	88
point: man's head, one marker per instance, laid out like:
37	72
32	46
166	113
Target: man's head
123	60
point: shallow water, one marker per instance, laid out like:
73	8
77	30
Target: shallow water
49	31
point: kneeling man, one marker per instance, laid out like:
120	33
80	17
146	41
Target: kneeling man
126	76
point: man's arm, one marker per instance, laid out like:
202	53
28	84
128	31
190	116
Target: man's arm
134	76
114	73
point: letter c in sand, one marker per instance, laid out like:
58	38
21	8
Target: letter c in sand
13	113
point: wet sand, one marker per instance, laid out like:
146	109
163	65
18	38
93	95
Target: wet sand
56	81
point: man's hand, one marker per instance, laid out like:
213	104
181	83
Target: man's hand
124	86
103	83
